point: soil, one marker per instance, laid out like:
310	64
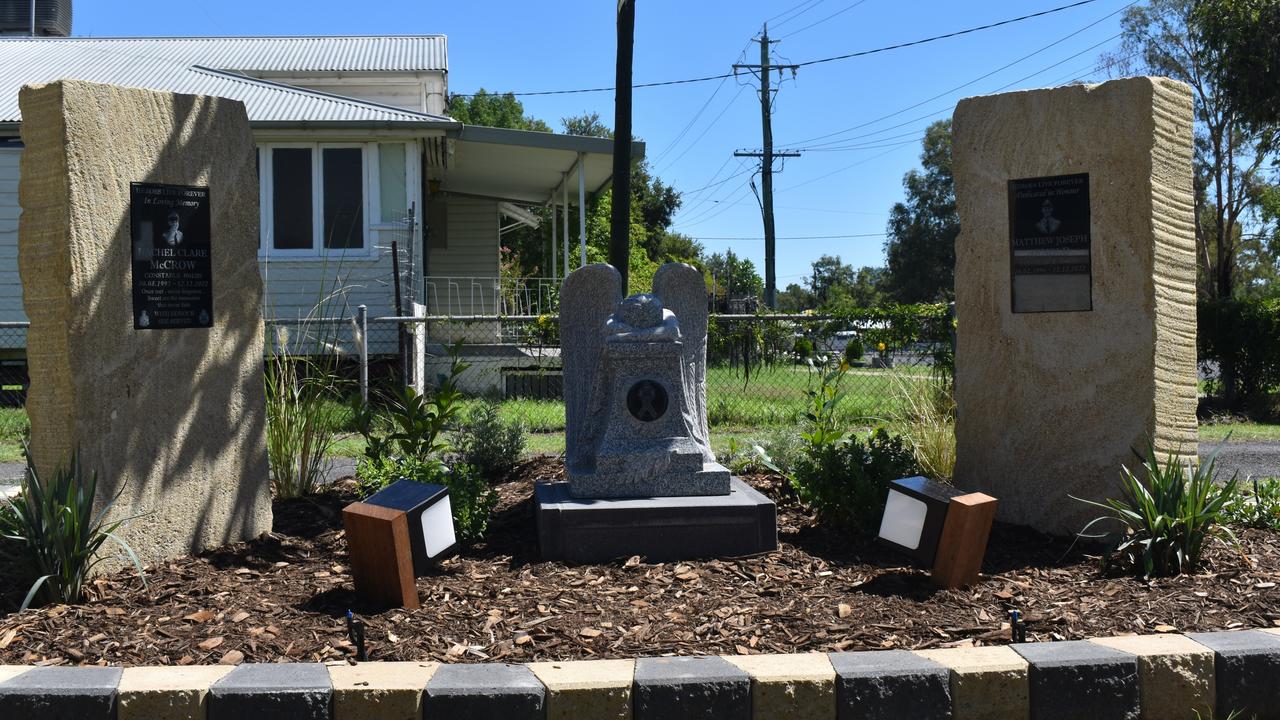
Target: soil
284	597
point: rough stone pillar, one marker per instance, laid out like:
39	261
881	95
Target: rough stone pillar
1052	399
171	419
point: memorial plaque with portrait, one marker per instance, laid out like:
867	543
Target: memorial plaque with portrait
1050	244
172	268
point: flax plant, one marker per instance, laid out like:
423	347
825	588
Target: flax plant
62	534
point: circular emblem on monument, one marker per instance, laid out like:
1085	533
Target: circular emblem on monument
647	401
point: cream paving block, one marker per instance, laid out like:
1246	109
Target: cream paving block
587	689
380	691
987	683
801	685
1175	674
166	693
9	672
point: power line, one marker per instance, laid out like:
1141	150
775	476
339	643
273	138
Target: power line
811	3
814	24
861	53
966	84
705	130
798	237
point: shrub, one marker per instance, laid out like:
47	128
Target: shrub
803	348
847	482
853	351
1165	521
61	532
1255	505
470	497
1239	335
408	442
488	443
843	477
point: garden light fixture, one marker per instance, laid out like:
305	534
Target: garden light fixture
939	526
430	519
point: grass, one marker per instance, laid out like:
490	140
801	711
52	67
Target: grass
1239	432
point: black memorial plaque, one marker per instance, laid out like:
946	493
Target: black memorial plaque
172	269
1050	244
647	401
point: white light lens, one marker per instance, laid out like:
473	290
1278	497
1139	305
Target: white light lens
903	520
437	527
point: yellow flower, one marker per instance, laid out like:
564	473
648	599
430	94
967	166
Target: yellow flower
880	347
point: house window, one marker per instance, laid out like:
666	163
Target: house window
322	199
315	198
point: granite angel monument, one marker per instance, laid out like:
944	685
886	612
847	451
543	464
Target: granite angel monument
635	373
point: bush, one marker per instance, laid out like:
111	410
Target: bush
1256	505
470	497
1165	521
408	442
1240	336
926	416
488	443
844	478
847	482
803	348
853	351
61	532
300	422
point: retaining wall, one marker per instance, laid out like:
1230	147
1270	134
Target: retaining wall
1160	676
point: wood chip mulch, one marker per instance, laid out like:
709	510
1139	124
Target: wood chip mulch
284	596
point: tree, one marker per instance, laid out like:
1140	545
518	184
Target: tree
864	292
828	273
1247	35
493	110
795	299
920	250
1230	152
731	277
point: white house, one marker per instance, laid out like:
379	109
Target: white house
352	134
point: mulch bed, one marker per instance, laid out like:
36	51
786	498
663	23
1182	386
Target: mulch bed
284	596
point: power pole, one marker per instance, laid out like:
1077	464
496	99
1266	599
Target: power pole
620	221
766	156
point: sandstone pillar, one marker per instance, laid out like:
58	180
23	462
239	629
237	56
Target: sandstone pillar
1075	292
172	419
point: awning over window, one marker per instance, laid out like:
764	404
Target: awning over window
520	165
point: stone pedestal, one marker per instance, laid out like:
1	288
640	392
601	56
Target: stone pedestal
172	420
661	529
1075	292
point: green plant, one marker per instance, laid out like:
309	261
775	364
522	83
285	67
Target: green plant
300	427
925	414
489	443
1255	505
470	497
843	477
62	534
1166	520
853	351
411	425
803	348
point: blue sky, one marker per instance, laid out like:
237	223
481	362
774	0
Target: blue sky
881	102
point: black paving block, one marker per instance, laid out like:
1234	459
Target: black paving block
1246	667
885	684
289	691
690	687
60	693
1079	679
493	691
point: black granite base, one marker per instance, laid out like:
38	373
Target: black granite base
658	529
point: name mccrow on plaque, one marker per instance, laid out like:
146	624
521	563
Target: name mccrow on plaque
1049	244
172	270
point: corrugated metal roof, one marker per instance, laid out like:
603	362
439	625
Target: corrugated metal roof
129	63
395	53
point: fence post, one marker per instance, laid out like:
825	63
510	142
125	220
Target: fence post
362	323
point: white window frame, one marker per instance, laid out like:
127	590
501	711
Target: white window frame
317	251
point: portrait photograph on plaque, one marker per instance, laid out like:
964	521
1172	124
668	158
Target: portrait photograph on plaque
1050	244
172	269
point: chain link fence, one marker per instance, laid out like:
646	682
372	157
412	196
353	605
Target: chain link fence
759	368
